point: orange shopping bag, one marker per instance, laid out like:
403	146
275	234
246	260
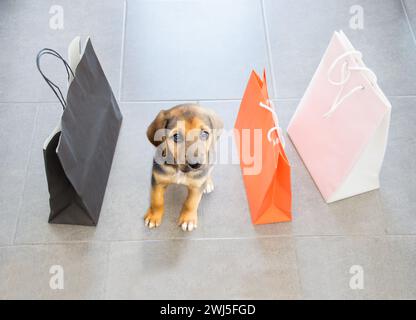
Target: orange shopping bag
265	168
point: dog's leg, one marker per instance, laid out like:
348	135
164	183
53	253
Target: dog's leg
188	220
154	215
209	185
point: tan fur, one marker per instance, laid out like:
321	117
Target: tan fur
194	118
155	212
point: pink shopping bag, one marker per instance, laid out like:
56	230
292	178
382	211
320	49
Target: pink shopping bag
341	125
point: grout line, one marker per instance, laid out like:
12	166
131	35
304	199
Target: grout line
180	100
288	236
237	100
401	96
192	100
300	282
220	100
107	272
408	21
29	157
123	40
29	102
269	49
161	101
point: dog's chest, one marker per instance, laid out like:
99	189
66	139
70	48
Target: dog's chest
180	177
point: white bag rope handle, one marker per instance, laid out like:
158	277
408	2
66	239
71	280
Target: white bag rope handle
345	77
276	127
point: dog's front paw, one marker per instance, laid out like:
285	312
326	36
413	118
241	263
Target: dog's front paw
188	221
209	186
153	219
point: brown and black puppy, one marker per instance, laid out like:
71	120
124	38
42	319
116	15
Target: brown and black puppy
185	136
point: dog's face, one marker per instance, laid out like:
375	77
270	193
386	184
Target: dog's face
184	135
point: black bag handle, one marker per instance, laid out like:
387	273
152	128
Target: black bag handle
56	90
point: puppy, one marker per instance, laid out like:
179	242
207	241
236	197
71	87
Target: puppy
185	136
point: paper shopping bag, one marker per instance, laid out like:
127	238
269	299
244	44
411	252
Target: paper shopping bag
265	168
341	125
79	152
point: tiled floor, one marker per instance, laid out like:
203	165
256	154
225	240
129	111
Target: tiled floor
157	53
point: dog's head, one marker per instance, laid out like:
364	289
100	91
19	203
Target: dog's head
184	135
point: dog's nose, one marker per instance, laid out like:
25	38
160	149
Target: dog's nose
194	165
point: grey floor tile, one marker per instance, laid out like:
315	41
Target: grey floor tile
25	29
25	271
16	129
227	269
299	36
188	50
397	176
387	264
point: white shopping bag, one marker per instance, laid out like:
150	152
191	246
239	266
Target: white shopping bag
341	125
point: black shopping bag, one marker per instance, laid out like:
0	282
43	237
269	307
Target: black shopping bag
78	155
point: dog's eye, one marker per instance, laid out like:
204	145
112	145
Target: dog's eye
204	135
177	137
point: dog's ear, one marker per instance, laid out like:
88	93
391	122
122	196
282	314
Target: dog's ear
216	123
158	123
